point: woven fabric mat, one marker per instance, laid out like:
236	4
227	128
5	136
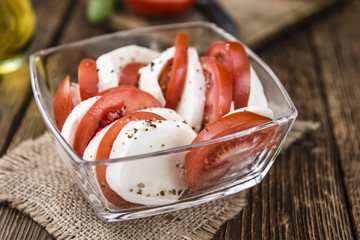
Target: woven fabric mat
34	180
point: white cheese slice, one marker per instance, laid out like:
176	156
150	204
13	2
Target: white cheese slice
149	75
155	180
110	64
192	103
257	96
166	113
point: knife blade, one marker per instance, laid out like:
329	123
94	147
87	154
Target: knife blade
218	15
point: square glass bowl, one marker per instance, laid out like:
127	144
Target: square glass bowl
246	166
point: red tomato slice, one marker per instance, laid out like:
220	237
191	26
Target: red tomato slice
111	106
212	162
165	76
107	90
219	90
104	151
66	98
88	78
234	56
160	7
130	74
173	76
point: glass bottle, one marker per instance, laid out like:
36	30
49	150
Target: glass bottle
17	26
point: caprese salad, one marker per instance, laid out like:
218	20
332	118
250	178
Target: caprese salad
134	100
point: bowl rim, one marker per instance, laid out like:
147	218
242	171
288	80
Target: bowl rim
292	114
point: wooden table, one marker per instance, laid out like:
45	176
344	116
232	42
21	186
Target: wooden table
312	190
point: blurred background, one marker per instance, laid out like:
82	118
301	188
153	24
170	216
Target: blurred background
255	22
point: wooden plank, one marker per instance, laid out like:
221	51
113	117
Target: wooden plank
77	23
14	225
31	126
340	45
303	196
260	21
14	95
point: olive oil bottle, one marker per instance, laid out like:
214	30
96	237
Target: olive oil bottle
17	25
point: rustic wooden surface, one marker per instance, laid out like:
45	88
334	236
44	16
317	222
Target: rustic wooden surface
312	190
258	20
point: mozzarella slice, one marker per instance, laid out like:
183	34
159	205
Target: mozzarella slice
149	75
72	121
93	146
155	180
262	111
257	96
192	103
166	113
110	64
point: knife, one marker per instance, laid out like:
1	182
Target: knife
218	15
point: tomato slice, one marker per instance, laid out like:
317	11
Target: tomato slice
111	106
130	74
219	90
213	162
107	90
66	98
234	56
173	76
160	7
165	76
104	151
88	78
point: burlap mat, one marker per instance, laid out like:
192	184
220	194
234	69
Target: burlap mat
34	180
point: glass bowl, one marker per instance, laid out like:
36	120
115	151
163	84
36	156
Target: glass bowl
244	169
